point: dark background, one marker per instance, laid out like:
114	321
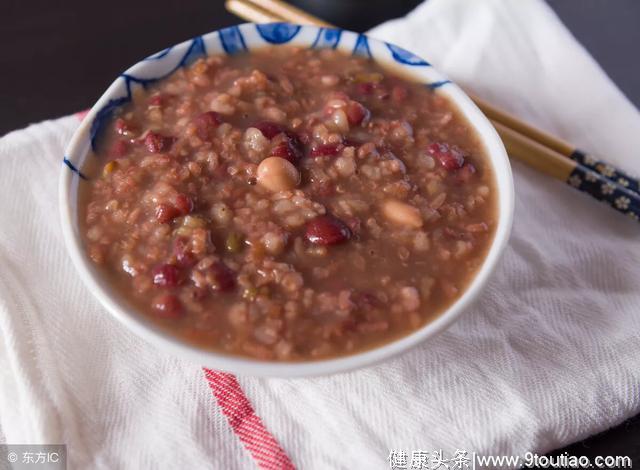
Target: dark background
57	58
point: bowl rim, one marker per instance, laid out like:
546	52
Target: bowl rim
254	34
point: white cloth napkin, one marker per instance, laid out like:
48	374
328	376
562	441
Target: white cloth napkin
549	354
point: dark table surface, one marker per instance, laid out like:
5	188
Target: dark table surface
57	58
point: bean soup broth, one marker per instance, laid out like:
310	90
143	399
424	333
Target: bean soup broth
289	204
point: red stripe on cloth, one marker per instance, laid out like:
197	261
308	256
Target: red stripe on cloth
255	437
246	424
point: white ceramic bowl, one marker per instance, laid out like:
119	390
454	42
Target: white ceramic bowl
238	39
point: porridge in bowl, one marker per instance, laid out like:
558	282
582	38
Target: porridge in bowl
288	204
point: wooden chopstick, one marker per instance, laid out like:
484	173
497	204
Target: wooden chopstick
559	145
533	147
251	12
285	10
534	154
548	161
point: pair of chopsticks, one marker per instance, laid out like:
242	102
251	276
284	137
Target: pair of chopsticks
534	147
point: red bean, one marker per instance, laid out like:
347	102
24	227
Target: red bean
327	230
166	275
184	204
357	113
269	129
288	147
167	306
158	143
206	124
284	150
224	277
449	157
326	150
166	213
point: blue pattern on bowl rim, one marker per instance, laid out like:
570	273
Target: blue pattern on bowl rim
159	55
362	46
278	33
405	57
232	40
327	38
